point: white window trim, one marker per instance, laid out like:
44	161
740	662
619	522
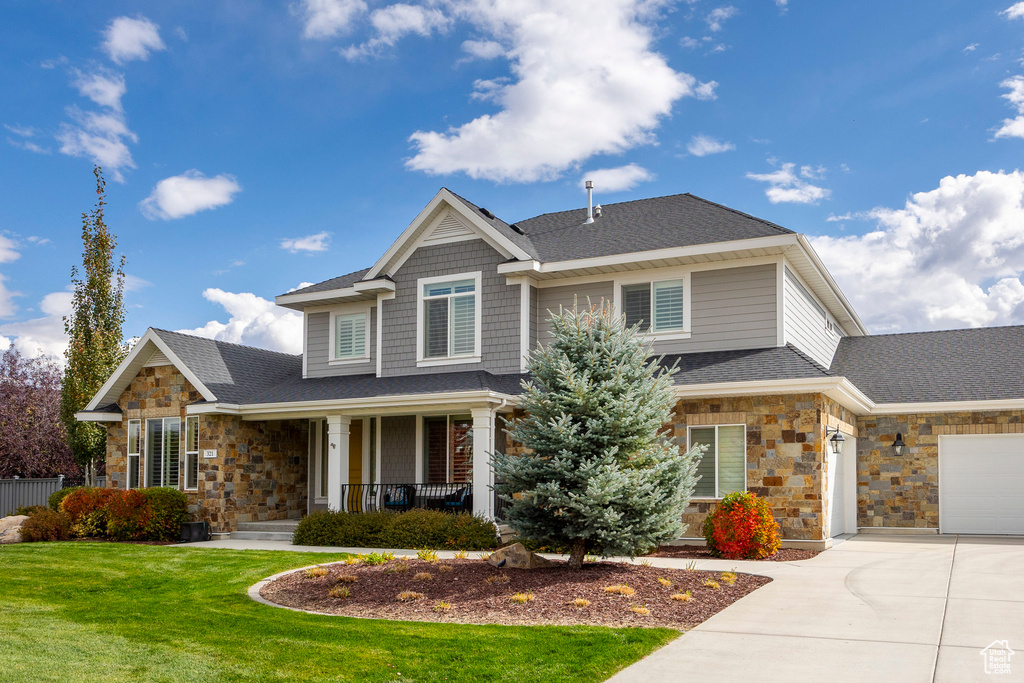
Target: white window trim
138	454
689	441
317	429
651	278
351	309
475	357
189	455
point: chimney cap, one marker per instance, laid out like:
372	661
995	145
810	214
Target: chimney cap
590	185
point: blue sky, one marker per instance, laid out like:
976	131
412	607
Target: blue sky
252	146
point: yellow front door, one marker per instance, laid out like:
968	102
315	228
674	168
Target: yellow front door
355	465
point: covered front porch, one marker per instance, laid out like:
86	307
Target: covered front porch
436	458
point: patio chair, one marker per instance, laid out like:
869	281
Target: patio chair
399	498
459	501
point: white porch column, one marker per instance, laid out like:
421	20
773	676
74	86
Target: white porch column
337	458
483	475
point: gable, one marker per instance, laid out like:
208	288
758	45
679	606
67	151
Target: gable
448	229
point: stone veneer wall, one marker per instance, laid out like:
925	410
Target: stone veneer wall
784	460
904	491
259	474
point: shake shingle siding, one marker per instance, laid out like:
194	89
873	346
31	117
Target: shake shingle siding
553	299
318	348
499	309
398	449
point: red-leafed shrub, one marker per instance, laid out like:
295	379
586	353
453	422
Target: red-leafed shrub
742	527
128	516
46	525
85	501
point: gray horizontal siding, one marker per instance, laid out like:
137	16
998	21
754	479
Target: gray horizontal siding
318	343
553	299
499	309
804	321
398	449
731	308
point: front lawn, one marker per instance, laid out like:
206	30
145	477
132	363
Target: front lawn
112	612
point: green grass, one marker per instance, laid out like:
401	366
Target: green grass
112	612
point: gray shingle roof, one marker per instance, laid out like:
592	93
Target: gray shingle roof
747	365
953	365
234	373
369	386
680	220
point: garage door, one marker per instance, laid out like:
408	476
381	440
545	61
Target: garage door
981	484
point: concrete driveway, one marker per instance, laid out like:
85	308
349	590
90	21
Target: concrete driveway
873	608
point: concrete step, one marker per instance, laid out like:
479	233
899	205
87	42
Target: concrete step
283	525
261	536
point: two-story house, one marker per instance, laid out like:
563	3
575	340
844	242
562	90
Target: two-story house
410	367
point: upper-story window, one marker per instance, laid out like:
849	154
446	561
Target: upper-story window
449	319
350	336
655	306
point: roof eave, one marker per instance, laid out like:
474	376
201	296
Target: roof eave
363	289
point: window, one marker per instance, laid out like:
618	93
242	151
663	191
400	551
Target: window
448	449
191	452
449	313
163	444
723	469
350	332
134	452
657	306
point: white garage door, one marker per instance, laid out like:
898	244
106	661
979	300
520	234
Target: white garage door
981	484
842	489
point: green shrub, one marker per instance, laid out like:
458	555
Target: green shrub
413	529
91	525
46	525
85	500
168	511
128	516
742	527
29	510
57	496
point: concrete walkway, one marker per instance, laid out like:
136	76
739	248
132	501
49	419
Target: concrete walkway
873	608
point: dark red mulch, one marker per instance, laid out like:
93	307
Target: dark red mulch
475	601
699	552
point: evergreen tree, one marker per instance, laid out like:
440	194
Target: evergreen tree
95	341
600	474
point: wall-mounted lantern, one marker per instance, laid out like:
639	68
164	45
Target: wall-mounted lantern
898	445
837	441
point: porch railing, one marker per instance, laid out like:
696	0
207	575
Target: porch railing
451	497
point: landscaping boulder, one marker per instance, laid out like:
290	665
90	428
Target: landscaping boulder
516	556
9	528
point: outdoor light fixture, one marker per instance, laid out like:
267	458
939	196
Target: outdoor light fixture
898	445
837	442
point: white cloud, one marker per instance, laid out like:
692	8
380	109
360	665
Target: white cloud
329	18
28	146
1013	128
394	22
253	321
783	5
718	16
310	243
617	179
703	145
101	137
8	250
126	39
689	43
584	83
102	86
188	193
785	186
483	49
1015	11
951	257
971	48
43	336
21	131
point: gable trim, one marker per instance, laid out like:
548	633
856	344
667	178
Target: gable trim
133	364
411	237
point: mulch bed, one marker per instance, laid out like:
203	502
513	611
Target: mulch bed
698	552
474	600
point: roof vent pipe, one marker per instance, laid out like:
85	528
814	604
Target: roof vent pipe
590	202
